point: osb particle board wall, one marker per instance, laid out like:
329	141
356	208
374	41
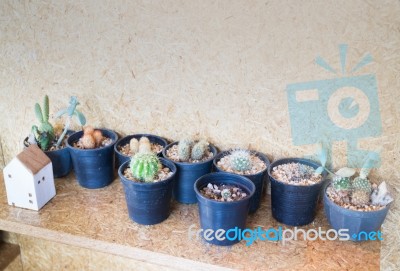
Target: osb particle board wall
217	69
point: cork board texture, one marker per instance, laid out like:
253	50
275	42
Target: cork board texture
215	69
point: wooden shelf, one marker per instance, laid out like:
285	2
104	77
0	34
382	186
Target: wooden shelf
98	220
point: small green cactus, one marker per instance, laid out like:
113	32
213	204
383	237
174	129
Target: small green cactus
342	183
240	160
184	149
144	166
44	134
360	197
199	150
362	184
226	193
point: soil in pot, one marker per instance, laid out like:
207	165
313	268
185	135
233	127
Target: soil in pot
242	162
250	164
296	174
163	174
223	192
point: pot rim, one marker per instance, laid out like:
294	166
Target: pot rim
117	144
162	160
222	154
236	176
114	140
298	160
213	149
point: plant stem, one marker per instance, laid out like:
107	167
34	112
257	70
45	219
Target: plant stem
64	132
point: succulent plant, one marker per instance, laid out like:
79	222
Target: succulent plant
134	146
226	193
70	111
144	166
381	195
199	150
91	138
44	134
184	147
361	184
240	160
360	197
144	144
342	183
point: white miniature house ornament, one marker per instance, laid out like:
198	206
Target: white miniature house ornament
29	179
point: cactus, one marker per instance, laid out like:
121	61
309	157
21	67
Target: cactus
144	145
199	150
240	160
184	149
381	195
44	134
98	137
342	183
144	166
360	197
226	193
134	146
70	111
362	184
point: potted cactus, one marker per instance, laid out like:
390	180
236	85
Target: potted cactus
224	201
251	164
127	146
296	186
357	204
193	159
148	182
92	156
53	140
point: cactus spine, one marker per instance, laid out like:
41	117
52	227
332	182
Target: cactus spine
240	160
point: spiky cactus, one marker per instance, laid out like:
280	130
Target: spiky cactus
362	184
144	166
199	150
240	160
44	134
360	197
184	149
342	183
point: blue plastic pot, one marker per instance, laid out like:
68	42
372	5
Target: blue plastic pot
60	159
94	168
258	179
121	158
148	203
358	223
294	205
217	215
187	174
